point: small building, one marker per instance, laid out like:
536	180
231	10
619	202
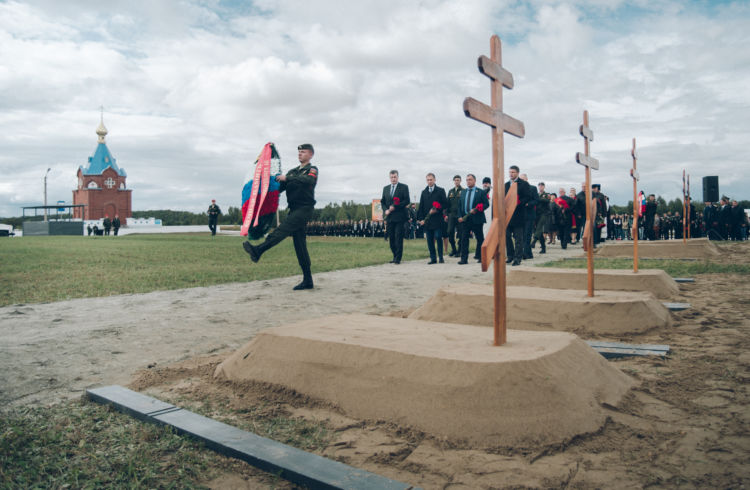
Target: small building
102	185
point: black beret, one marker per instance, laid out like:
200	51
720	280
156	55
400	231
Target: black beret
486	180
306	146
596	186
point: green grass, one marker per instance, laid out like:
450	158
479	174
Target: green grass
83	445
80	444
45	269
675	268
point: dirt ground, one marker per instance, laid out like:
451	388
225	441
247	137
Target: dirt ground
685	424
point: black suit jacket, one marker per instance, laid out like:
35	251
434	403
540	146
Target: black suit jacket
524	196
399	214
425	204
479	197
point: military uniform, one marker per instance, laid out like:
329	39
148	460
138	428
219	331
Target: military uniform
453	209
543	211
300	195
213	217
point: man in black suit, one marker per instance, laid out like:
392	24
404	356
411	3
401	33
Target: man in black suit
433	205
472	203
517	224
394	202
650	214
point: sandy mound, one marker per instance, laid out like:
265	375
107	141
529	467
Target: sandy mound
655	281
696	248
607	313
449	381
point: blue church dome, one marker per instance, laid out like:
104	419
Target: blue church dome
102	158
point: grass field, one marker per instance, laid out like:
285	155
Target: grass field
45	269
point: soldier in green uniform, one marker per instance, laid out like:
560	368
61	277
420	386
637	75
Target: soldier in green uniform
453	209
299	184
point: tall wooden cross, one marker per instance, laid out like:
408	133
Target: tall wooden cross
636	178
493	247
589	162
684	198
689	216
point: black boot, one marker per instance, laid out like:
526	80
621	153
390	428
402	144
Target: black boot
254	252
307	282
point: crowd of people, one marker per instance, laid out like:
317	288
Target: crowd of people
542	216
558	218
456	217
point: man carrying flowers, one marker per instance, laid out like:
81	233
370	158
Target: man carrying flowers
394	201
432	213
472	203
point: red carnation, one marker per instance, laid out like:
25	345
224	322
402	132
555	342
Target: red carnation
396	201
480	207
436	205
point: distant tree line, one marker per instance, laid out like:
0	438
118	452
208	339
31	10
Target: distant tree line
347	210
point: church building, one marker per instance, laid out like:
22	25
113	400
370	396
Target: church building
101	185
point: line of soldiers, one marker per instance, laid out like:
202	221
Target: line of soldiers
347	228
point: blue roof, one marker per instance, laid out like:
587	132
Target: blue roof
102	160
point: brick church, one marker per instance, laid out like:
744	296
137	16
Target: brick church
101	186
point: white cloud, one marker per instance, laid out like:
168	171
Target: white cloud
192	90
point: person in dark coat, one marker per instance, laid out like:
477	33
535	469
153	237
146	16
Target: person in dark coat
517	224
213	216
107	224
116	224
453	214
649	216
433	204
528	228
395	201
472	203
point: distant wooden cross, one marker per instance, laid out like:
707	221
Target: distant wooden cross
689	216
589	162
684	198
636	178
493	247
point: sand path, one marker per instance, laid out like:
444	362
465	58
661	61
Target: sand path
54	351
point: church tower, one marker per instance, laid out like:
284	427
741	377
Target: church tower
101	185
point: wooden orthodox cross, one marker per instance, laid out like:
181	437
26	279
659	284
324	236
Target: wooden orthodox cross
589	162
493	247
684	198
689	216
636	178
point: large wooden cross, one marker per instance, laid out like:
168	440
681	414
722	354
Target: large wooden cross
636	178
493	247
689	216
684	199
589	162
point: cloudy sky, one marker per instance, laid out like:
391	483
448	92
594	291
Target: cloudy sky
193	89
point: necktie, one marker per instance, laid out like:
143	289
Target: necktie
430	190
393	189
470	200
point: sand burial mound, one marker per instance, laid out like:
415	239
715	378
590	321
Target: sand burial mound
570	310
442	379
696	248
655	281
